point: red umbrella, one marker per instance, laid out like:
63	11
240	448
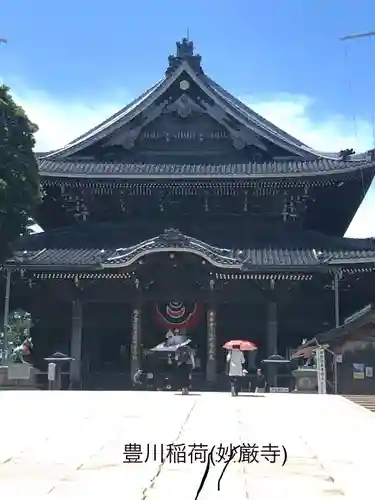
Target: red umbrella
245	345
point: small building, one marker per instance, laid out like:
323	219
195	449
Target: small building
188	210
353	344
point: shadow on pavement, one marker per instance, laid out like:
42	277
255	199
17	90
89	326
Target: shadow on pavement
189	394
247	395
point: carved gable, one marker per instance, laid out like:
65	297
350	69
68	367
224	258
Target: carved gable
184	106
185	124
172	130
182	124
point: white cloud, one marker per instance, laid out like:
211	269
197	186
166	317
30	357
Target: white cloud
62	121
331	133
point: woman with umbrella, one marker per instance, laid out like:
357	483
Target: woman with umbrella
236	360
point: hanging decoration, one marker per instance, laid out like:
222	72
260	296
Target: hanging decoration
178	315
211	334
136	325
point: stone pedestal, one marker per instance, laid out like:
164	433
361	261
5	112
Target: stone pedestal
18	376
306	380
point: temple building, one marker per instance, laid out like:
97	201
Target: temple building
188	210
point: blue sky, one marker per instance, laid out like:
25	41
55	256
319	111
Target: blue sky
72	63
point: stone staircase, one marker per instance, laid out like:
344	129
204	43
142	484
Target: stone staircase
367	401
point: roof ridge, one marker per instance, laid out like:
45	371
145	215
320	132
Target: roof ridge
111	120
51	167
121	111
271	126
268	163
262	121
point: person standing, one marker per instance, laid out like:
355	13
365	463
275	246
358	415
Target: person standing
185	363
236	360
260	381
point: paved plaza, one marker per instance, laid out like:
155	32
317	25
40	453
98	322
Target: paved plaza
60	445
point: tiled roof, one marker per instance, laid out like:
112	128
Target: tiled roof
254	118
76	248
354	322
223	99
114	122
49	168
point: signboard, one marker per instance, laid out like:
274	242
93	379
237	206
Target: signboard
369	371
338	358
358	371
279	389
321	370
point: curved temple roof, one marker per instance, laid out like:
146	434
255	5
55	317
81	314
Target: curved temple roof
53	163
117	170
272	257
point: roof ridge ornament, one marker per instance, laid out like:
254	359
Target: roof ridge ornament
184	53
345	154
184	106
172	235
185	48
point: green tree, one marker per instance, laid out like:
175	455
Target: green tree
19	178
19	325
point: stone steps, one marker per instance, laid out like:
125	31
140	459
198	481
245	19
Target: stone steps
367	401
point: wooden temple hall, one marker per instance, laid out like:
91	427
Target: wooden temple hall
187	210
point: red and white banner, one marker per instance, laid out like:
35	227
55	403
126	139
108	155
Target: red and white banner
180	315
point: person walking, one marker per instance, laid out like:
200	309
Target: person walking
185	363
260	381
235	360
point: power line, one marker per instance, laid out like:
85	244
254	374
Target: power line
358	35
369	35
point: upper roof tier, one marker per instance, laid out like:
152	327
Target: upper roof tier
188	119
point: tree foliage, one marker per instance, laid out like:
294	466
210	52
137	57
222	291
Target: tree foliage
19	178
19	325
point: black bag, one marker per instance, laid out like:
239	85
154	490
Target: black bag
183	355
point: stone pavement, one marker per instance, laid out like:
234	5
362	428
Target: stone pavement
60	445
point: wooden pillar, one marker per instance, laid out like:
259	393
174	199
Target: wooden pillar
336	279
136	340
76	343
272	324
211	336
272	331
272	328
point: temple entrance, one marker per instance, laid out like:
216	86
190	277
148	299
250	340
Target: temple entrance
244	322
185	318
106	344
178	293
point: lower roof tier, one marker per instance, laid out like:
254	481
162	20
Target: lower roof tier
117	246
352	324
274	169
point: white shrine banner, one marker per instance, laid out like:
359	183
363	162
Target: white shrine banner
321	370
